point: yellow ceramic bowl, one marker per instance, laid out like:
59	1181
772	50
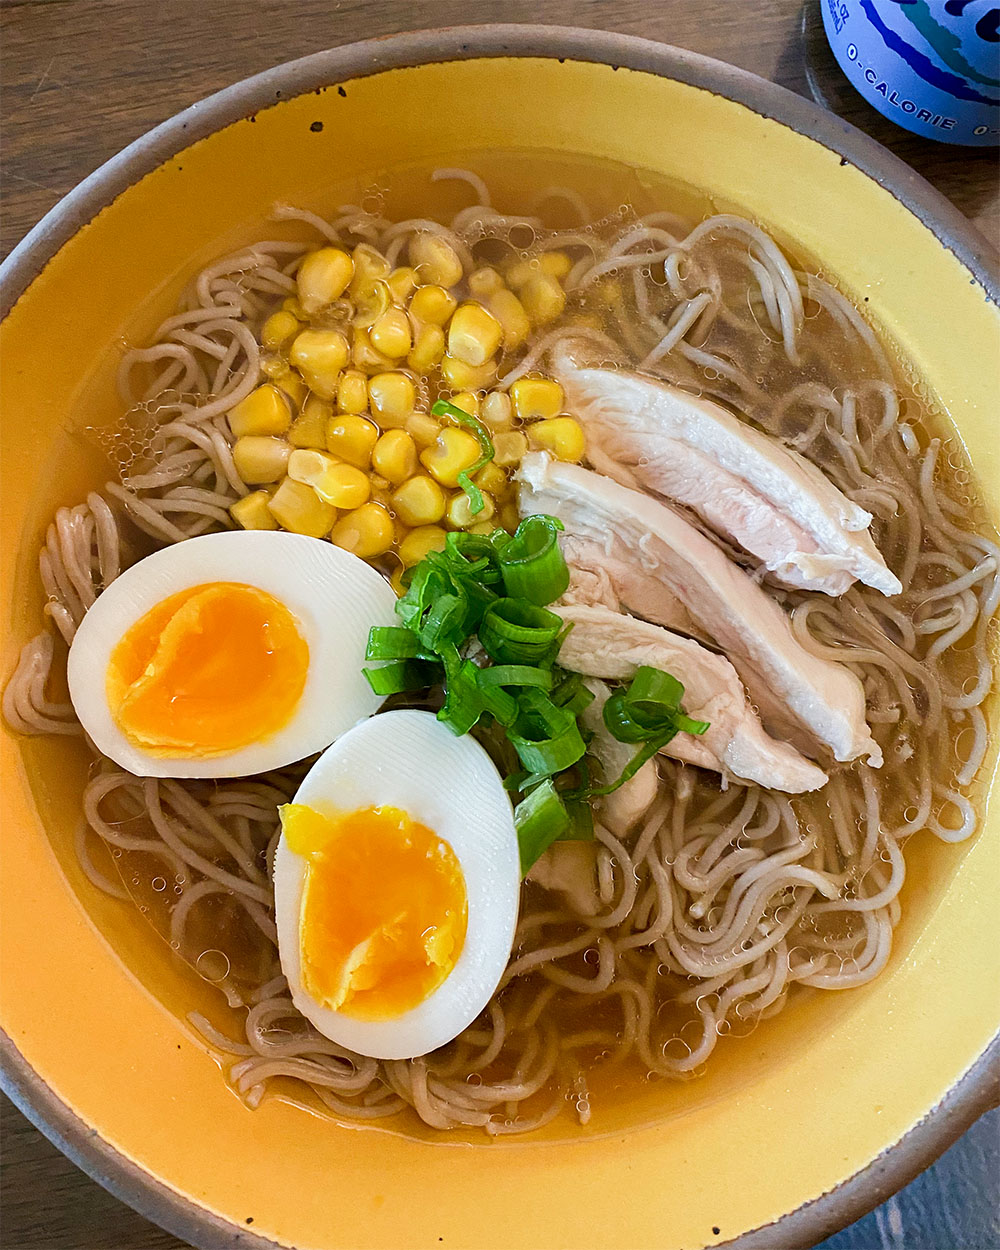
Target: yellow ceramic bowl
93	1003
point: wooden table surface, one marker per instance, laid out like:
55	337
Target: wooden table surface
82	78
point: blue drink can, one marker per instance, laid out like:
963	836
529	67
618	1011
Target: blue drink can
932	66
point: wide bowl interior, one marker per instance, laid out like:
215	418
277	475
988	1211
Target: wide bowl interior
93	998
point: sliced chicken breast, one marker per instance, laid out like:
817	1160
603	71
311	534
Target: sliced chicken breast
744	484
608	644
793	688
570	869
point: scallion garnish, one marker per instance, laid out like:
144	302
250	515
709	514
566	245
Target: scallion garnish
403	675
494	588
514	631
541	817
533	566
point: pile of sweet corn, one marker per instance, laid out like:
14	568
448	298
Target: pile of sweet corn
340	442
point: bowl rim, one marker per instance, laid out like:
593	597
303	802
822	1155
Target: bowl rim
979	1088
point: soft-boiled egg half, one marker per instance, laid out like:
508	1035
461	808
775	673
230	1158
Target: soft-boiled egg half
228	655
396	882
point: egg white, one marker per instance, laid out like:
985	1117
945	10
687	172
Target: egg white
334	596
410	760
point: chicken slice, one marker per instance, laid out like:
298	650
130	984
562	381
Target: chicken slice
608	644
794	689
743	483
570	869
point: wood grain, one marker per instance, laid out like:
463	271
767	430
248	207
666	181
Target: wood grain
83	78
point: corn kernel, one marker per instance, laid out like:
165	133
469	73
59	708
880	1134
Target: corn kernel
371	302
381	490
492	478
292	305
352	391
401	283
298	508
260	459
320	355
252	511
390	334
322	277
309	427
428	348
484	281
543	299
509	311
273	366
537	398
392	397
473	334
497	411
351	438
435	259
461	376
336	483
278	329
367	531
432	304
555	264
420	542
521	271
423	429
562	436
508	448
460	512
419	501
468	401
367	356
369	267
510	517
453	452
264	411
292	384
395	456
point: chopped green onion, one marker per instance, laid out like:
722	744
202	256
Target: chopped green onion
443	409
546	738
402	675
391	642
475	555
622	723
653	691
445	622
463	703
541	817
572	694
532	563
513	631
515	675
452	597
645	752
581	820
501	705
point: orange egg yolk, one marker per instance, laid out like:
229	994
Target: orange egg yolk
384	909
207	671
